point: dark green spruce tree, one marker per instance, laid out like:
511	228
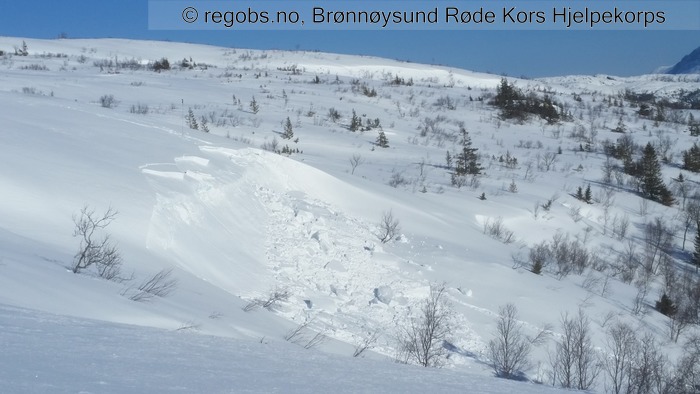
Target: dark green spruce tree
466	161
651	183
696	253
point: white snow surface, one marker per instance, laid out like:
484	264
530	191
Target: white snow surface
235	222
58	354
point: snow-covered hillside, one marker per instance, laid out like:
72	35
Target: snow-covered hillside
88	123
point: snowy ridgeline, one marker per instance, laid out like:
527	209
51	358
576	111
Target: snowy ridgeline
274	191
54	354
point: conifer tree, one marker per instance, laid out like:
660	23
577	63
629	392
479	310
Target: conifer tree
691	158
587	196
652	186
382	141
254	106
288	133
192	120
696	253
620	128
355	122
466	159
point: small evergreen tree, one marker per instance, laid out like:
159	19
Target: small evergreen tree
587	196
382	141
466	160
579	193
691	158
513	188
696	252
508	99
191	120
203	123
620	128
288	133
448	160
254	106
666	197
651	183
355	122
665	305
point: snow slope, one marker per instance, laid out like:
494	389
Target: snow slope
235	222
58	354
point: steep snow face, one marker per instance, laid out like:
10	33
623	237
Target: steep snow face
690	64
236	223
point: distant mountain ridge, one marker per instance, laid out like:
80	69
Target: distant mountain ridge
690	64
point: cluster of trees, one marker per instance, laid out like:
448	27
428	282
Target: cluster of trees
161	65
192	123
356	121
646	171
514	104
691	158
628	362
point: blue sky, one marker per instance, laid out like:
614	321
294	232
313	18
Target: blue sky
515	53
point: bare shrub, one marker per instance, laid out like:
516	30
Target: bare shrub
388	227
627	263
140	109
397	179
366	343
686	376
189	325
271	146
101	253
621	348
273	298
510	349
539	257
637	365
497	230
546	162
355	161
299	336
574	363
333	115
296	335
658	239
108	101
422	338
621	226
575	213
159	285
316	340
